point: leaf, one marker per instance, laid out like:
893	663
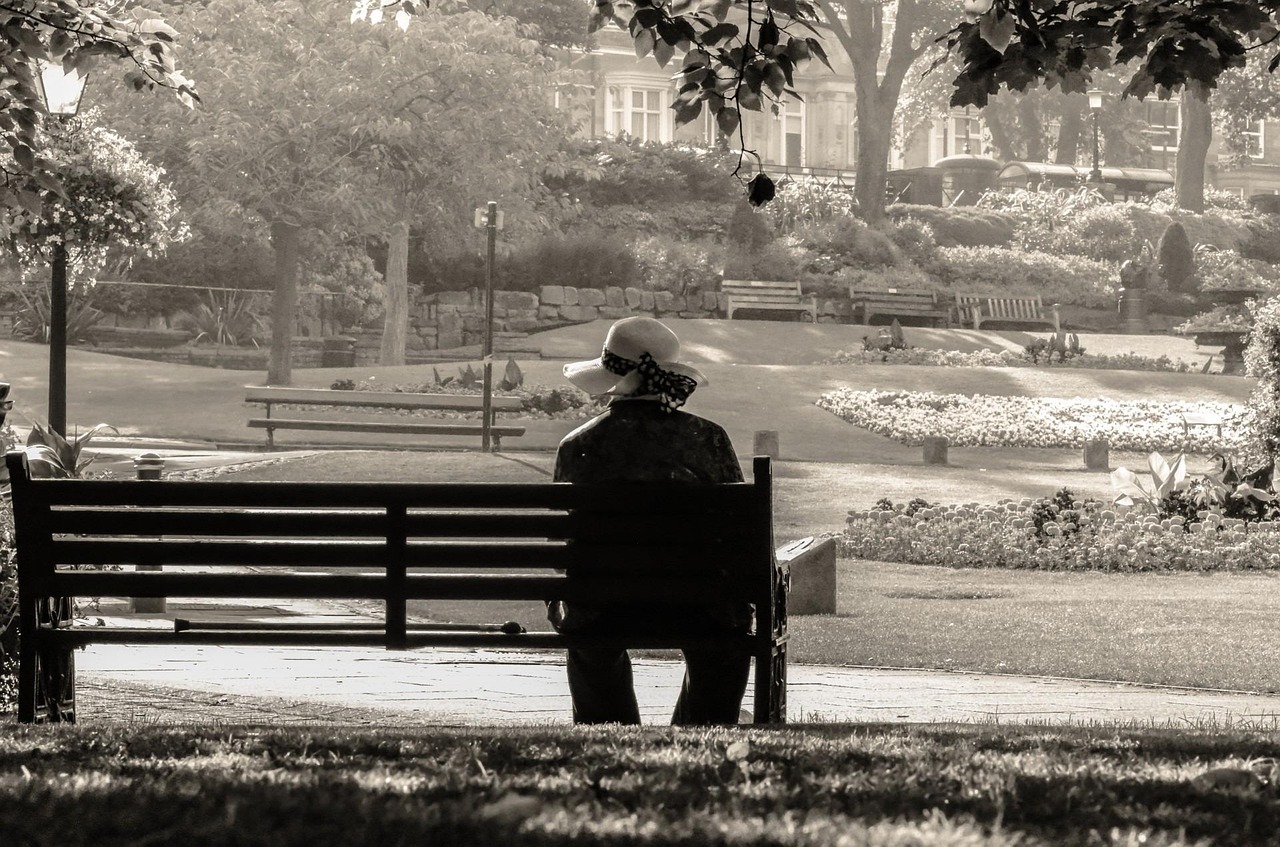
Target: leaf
727	120
1127	486
718	33
645	41
997	30
760	190
662	52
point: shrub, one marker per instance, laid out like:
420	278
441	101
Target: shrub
1262	362
583	261
959	225
1225	269
629	172
1263	242
775	262
1103	233
914	239
1175	260
802	201
845	242
749	229
678	266
1071	280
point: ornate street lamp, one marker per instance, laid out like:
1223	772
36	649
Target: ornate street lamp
1095	106
61	91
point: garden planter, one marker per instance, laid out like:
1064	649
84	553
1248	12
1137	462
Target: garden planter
1133	311
1231	341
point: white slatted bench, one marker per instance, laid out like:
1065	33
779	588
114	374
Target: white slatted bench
975	309
332	398
773	296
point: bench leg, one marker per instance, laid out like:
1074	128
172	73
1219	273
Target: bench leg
771	686
28	660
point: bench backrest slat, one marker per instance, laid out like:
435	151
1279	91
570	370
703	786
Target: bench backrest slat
376	399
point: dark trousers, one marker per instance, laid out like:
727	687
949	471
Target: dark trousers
600	683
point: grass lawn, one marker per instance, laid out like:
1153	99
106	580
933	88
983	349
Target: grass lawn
1189	629
988	785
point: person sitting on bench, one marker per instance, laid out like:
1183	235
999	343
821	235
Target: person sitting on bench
643	437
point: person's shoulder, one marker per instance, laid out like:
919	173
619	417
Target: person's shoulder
586	427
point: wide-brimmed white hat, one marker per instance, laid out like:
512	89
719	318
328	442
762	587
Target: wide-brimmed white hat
627	342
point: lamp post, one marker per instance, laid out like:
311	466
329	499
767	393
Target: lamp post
1095	107
61	90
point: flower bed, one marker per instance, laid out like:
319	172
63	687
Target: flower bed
987	358
990	421
1041	534
547	402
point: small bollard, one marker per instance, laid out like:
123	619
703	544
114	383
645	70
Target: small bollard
1097	454
765	443
935	449
148	466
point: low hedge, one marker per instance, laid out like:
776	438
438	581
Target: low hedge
1070	280
956	225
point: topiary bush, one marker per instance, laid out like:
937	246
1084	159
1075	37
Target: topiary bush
959	225
844	242
678	266
914	239
1175	259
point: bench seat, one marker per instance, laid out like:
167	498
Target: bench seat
898	302
393	543
772	296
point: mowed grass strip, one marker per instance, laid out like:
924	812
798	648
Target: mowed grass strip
865	784
872	785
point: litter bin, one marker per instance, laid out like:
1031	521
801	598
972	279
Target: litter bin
339	351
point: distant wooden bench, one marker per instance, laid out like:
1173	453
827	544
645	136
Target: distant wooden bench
393	543
326	397
898	302
975	309
773	296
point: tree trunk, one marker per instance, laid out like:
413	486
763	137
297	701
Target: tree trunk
1193	146
1032	131
285	239
1000	137
1070	128
875	138
396	306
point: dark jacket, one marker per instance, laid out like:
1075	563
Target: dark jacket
636	441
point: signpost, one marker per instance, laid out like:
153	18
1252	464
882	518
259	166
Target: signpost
491	220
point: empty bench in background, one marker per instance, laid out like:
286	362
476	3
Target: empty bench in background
391	542
975	309
334	398
771	296
896	303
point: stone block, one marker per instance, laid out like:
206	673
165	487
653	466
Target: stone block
646	301
514	300
935	449
614	296
710	301
570	296
615	312
813	576
447	339
580	313
453	298
523	324
665	301
590	297
1097	454
633	296
551	295
549	313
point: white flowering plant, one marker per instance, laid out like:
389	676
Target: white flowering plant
996	421
114	205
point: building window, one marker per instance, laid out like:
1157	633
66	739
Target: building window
959	133
1254	138
1163	124
639	112
791	138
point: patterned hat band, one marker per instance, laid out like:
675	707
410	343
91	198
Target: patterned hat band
672	389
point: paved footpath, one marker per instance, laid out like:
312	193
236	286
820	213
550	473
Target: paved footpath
470	687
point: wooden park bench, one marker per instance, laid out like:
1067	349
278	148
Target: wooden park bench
393	543
976	309
332	398
1204	419
898	303
774	296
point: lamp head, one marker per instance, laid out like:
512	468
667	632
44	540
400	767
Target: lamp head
1095	99
60	89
